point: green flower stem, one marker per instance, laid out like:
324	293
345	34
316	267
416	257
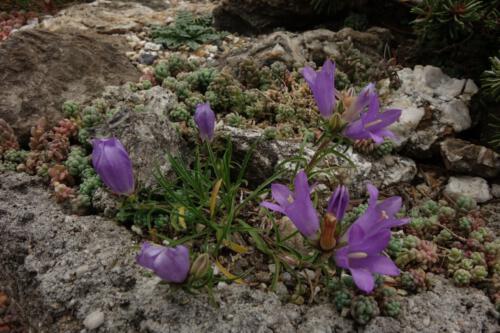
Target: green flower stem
324	142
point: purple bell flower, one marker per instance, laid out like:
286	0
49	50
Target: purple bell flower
359	104
362	256
338	202
113	165
367	237
322	85
171	264
205	120
297	205
380	216
372	124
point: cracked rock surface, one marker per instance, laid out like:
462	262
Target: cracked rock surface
78	274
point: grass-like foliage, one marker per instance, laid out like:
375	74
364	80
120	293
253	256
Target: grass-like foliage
187	30
203	205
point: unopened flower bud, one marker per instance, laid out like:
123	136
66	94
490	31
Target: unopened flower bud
200	266
336	123
327	240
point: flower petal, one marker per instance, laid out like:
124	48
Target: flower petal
379	264
172	264
363	279
148	254
113	165
338	202
309	75
281	194
273	206
204	118
391	206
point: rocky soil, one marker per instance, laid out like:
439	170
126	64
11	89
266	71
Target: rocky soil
78	274
67	273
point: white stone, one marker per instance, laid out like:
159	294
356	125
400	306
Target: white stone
149	46
94	320
427	93
474	187
456	114
411	116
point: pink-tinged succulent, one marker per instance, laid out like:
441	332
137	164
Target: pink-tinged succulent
113	165
297	205
322	85
205	120
171	264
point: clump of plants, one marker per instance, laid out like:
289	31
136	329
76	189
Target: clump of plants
449	238
208	227
188	31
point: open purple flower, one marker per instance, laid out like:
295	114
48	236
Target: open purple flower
113	165
205	120
362	256
322	85
338	202
367	237
379	216
297	205
359	104
169	263
372	124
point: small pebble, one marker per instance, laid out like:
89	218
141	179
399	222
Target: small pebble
94	320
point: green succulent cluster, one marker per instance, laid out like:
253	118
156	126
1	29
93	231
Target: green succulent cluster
414	280
77	161
188	31
353	214
236	97
12	158
389	302
143	85
173	66
363	309
385	148
70	109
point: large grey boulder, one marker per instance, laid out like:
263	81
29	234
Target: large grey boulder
68	272
39	70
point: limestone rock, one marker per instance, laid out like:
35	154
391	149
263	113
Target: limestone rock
474	187
35	257
384	172
296	49
148	138
434	106
39	70
106	17
465	157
